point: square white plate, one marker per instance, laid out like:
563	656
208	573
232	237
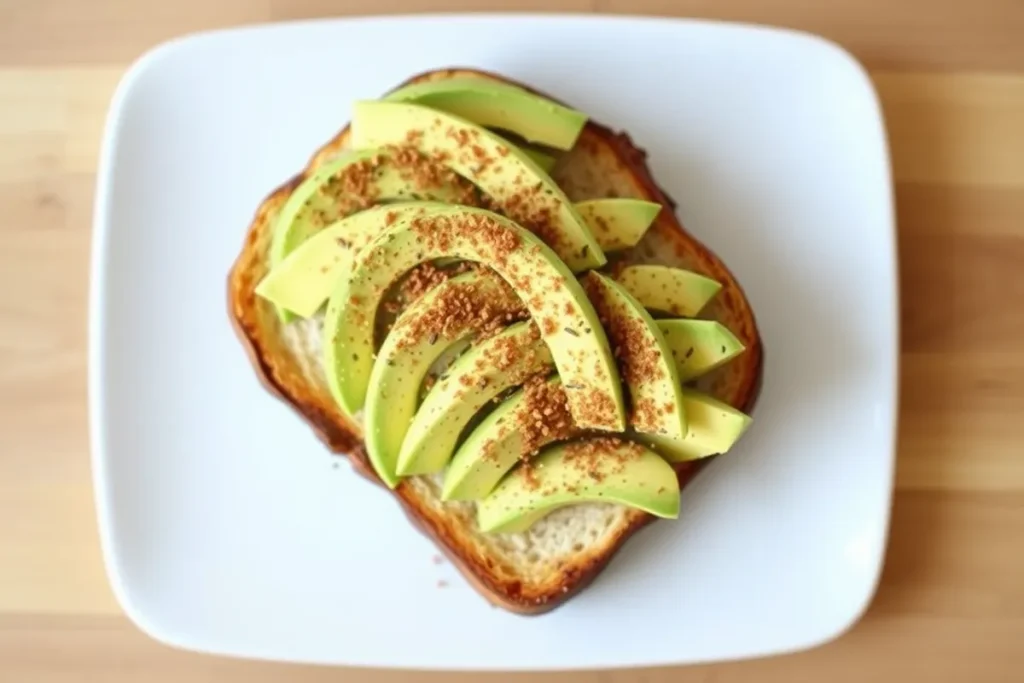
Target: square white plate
225	527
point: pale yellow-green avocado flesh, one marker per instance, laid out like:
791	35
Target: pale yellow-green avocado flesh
492	104
625	473
510	178
671	290
650	373
484	371
549	291
303	280
492	448
714	427
618	223
342	186
414	343
324	196
699	346
484	107
495	446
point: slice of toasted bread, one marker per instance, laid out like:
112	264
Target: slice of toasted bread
537	570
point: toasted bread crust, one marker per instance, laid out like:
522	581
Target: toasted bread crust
256	329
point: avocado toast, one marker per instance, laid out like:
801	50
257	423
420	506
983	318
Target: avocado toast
548	464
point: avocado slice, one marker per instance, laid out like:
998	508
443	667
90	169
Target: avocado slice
552	295
510	178
699	346
319	199
303	280
644	356
526	421
545	162
489	103
603	469
618	223
671	290
347	184
714	427
447	314
352	182
480	374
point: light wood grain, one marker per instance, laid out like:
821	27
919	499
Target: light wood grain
950	606
980	35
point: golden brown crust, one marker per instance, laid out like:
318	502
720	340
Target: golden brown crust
342	436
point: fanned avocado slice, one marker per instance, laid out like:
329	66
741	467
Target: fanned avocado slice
552	295
450	312
644	357
319	200
303	280
618	223
510	178
714	428
671	290
699	346
483	372
499	105
349	183
352	182
605	470
530	419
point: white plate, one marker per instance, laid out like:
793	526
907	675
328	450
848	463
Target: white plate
225	527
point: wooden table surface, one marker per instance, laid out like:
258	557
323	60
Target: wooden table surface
951	75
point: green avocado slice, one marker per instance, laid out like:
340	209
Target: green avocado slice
699	346
545	162
489	103
303	280
480	374
644	356
500	440
510	178
714	428
618	223
319	200
347	184
607	470
552	295
672	290
447	314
